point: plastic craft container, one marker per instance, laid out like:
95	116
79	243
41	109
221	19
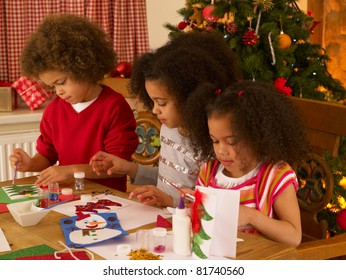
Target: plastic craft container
26	213
159	239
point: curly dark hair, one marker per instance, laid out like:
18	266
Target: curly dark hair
182	64
70	44
265	120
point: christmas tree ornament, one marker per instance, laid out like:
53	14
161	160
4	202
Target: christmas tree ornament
197	14
271	48
190	27
284	41
227	18
250	38
232	28
265	5
211	27
321	51
341	219
208	13
122	69
280	84
182	25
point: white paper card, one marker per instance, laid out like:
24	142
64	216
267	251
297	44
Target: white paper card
131	214
4	246
223	206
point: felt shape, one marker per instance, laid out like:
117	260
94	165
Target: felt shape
100	204
162	222
85	230
3	208
31	251
63	256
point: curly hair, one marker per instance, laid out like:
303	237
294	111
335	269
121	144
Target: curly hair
265	120
182	64
70	44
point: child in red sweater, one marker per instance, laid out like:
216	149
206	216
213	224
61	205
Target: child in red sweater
71	55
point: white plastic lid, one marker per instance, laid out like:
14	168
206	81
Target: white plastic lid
123	249
159	231
78	175
66	191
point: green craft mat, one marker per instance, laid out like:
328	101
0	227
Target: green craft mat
5	199
31	251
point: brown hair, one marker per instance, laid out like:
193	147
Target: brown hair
70	44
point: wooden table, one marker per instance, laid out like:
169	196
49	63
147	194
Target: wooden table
48	231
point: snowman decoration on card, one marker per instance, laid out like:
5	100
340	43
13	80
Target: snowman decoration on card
88	229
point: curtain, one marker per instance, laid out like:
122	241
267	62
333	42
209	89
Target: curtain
125	21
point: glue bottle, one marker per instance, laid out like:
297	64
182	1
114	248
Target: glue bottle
181	225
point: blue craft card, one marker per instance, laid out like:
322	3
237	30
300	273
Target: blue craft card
92	228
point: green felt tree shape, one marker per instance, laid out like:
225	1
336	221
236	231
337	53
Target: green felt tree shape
201	235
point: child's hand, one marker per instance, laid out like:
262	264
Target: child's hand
101	162
151	195
18	156
53	174
111	164
245	215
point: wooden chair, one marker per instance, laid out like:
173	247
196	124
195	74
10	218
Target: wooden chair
325	123
148	131
148	126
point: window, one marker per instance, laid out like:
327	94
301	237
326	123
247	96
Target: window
124	20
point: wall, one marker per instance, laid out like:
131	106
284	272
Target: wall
160	12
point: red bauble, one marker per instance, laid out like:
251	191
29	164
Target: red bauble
341	219
250	38
123	69
211	27
232	27
182	25
208	13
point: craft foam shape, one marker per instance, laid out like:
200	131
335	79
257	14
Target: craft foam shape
88	229
162	222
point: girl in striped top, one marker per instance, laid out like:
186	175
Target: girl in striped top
255	134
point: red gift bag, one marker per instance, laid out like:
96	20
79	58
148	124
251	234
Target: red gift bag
32	92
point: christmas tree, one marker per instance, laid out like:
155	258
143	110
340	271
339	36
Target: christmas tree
271	38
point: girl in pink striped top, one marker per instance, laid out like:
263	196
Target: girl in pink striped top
255	134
